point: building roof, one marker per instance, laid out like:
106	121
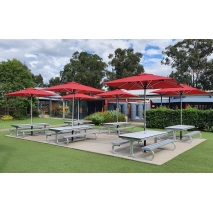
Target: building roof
187	99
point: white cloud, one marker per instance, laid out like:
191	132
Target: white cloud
30	55
51	55
33	63
152	52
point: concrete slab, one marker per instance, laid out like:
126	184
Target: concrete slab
103	145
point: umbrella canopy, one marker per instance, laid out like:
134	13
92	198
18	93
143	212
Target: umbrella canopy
79	96
73	88
184	90
31	92
116	94
143	81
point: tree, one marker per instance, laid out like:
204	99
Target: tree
190	59
206	78
54	81
125	63
38	80
14	76
84	68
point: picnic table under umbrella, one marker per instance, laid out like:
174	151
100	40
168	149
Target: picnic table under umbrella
79	96
73	88
143	81
116	94
31	92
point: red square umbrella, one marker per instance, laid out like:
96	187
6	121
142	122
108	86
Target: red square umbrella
116	94
79	96
31	92
73	88
144	81
185	90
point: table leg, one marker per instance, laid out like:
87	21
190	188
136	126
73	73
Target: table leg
16	131
56	137
108	129
131	154
144	144
180	135
117	129
174	135
31	131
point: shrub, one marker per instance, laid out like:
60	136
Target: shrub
19	114
35	113
97	119
7	118
105	117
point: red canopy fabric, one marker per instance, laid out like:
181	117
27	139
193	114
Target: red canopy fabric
79	96
116	93
73	87
184	90
28	92
31	92
143	81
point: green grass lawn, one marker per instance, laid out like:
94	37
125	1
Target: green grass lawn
21	156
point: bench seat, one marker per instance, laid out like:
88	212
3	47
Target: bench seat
118	143
14	129
157	145
33	130
190	134
62	132
79	135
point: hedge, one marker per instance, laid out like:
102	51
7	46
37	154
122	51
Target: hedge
163	117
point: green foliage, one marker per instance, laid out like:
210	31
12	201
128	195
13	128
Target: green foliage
19	114
14	76
125	63
35	113
7	118
105	117
54	81
97	119
38	80
190	58
84	68
163	117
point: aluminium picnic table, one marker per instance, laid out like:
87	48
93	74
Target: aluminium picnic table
141	136
32	125
115	124
59	130
180	128
78	122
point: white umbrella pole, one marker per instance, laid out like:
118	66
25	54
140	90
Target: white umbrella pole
78	108
31	110
181	109
117	107
63	109
144	109
73	110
